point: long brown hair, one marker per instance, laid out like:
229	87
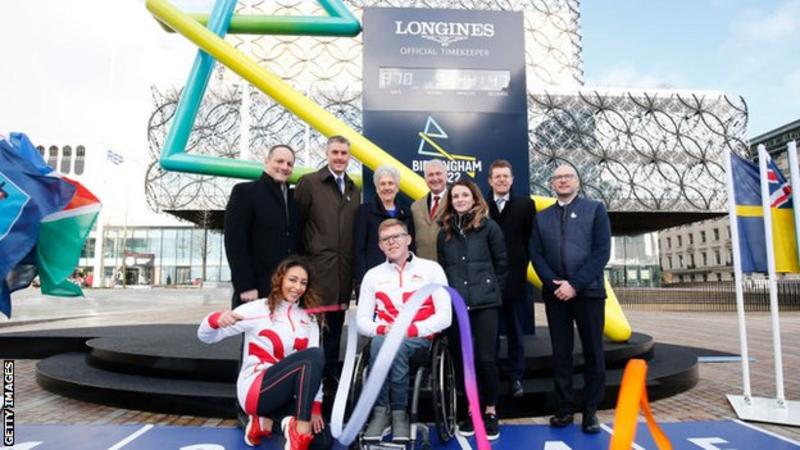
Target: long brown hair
479	211
310	298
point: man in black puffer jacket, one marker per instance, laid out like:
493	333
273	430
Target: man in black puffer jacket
570	247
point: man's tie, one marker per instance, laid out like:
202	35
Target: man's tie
501	203
285	193
435	205
340	183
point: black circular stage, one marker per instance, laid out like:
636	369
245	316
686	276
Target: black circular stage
164	368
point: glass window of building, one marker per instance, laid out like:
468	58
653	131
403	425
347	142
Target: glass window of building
40	149
669	242
199	247
669	258
691	259
154	245
680	261
168	275
680	241
109	244
215	257
702	236
719	276
66	159
183	275
197	273
691	238
705	259
52	156
169	245
80	157
716	234
88	248
717	257
183	252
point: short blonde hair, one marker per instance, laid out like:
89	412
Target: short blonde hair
388	223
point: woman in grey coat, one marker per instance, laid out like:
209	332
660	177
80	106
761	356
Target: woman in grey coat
472	251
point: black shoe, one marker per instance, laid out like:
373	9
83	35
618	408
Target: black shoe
516	389
561	420
465	427
590	424
492	427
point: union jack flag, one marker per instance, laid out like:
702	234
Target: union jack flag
780	192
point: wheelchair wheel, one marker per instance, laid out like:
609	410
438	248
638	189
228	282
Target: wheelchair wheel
357	384
443	380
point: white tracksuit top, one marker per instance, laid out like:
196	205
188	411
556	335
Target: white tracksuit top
268	338
385	290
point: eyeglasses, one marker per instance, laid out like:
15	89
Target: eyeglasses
568	176
392	238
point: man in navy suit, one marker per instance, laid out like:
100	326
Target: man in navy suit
570	247
262	227
514	214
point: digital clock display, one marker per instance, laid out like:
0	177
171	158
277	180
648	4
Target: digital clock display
444	79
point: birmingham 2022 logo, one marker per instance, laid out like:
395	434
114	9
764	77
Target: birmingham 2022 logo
430	145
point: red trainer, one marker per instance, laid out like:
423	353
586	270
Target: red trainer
295	440
253	431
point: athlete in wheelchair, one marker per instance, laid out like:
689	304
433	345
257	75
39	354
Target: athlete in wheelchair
384	291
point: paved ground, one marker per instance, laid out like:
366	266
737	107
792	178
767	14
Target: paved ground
715	330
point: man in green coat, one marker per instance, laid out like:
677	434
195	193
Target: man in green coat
329	201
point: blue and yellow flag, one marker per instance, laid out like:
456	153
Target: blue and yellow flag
750	217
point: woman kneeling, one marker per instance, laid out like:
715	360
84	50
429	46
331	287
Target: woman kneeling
282	361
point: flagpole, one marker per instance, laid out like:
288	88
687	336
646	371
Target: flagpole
737	277
794	173
763	157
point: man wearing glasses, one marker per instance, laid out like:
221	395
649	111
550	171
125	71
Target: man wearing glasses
384	291
570	246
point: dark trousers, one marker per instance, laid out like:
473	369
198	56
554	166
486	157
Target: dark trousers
331	338
514	312
483	323
292	381
588	314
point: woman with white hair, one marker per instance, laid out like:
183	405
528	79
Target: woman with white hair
366	252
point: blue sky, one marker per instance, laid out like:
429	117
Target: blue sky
742	47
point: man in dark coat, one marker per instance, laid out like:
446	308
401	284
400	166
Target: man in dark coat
329	201
514	214
570	247
262	227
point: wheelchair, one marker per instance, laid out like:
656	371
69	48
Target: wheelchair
433	378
